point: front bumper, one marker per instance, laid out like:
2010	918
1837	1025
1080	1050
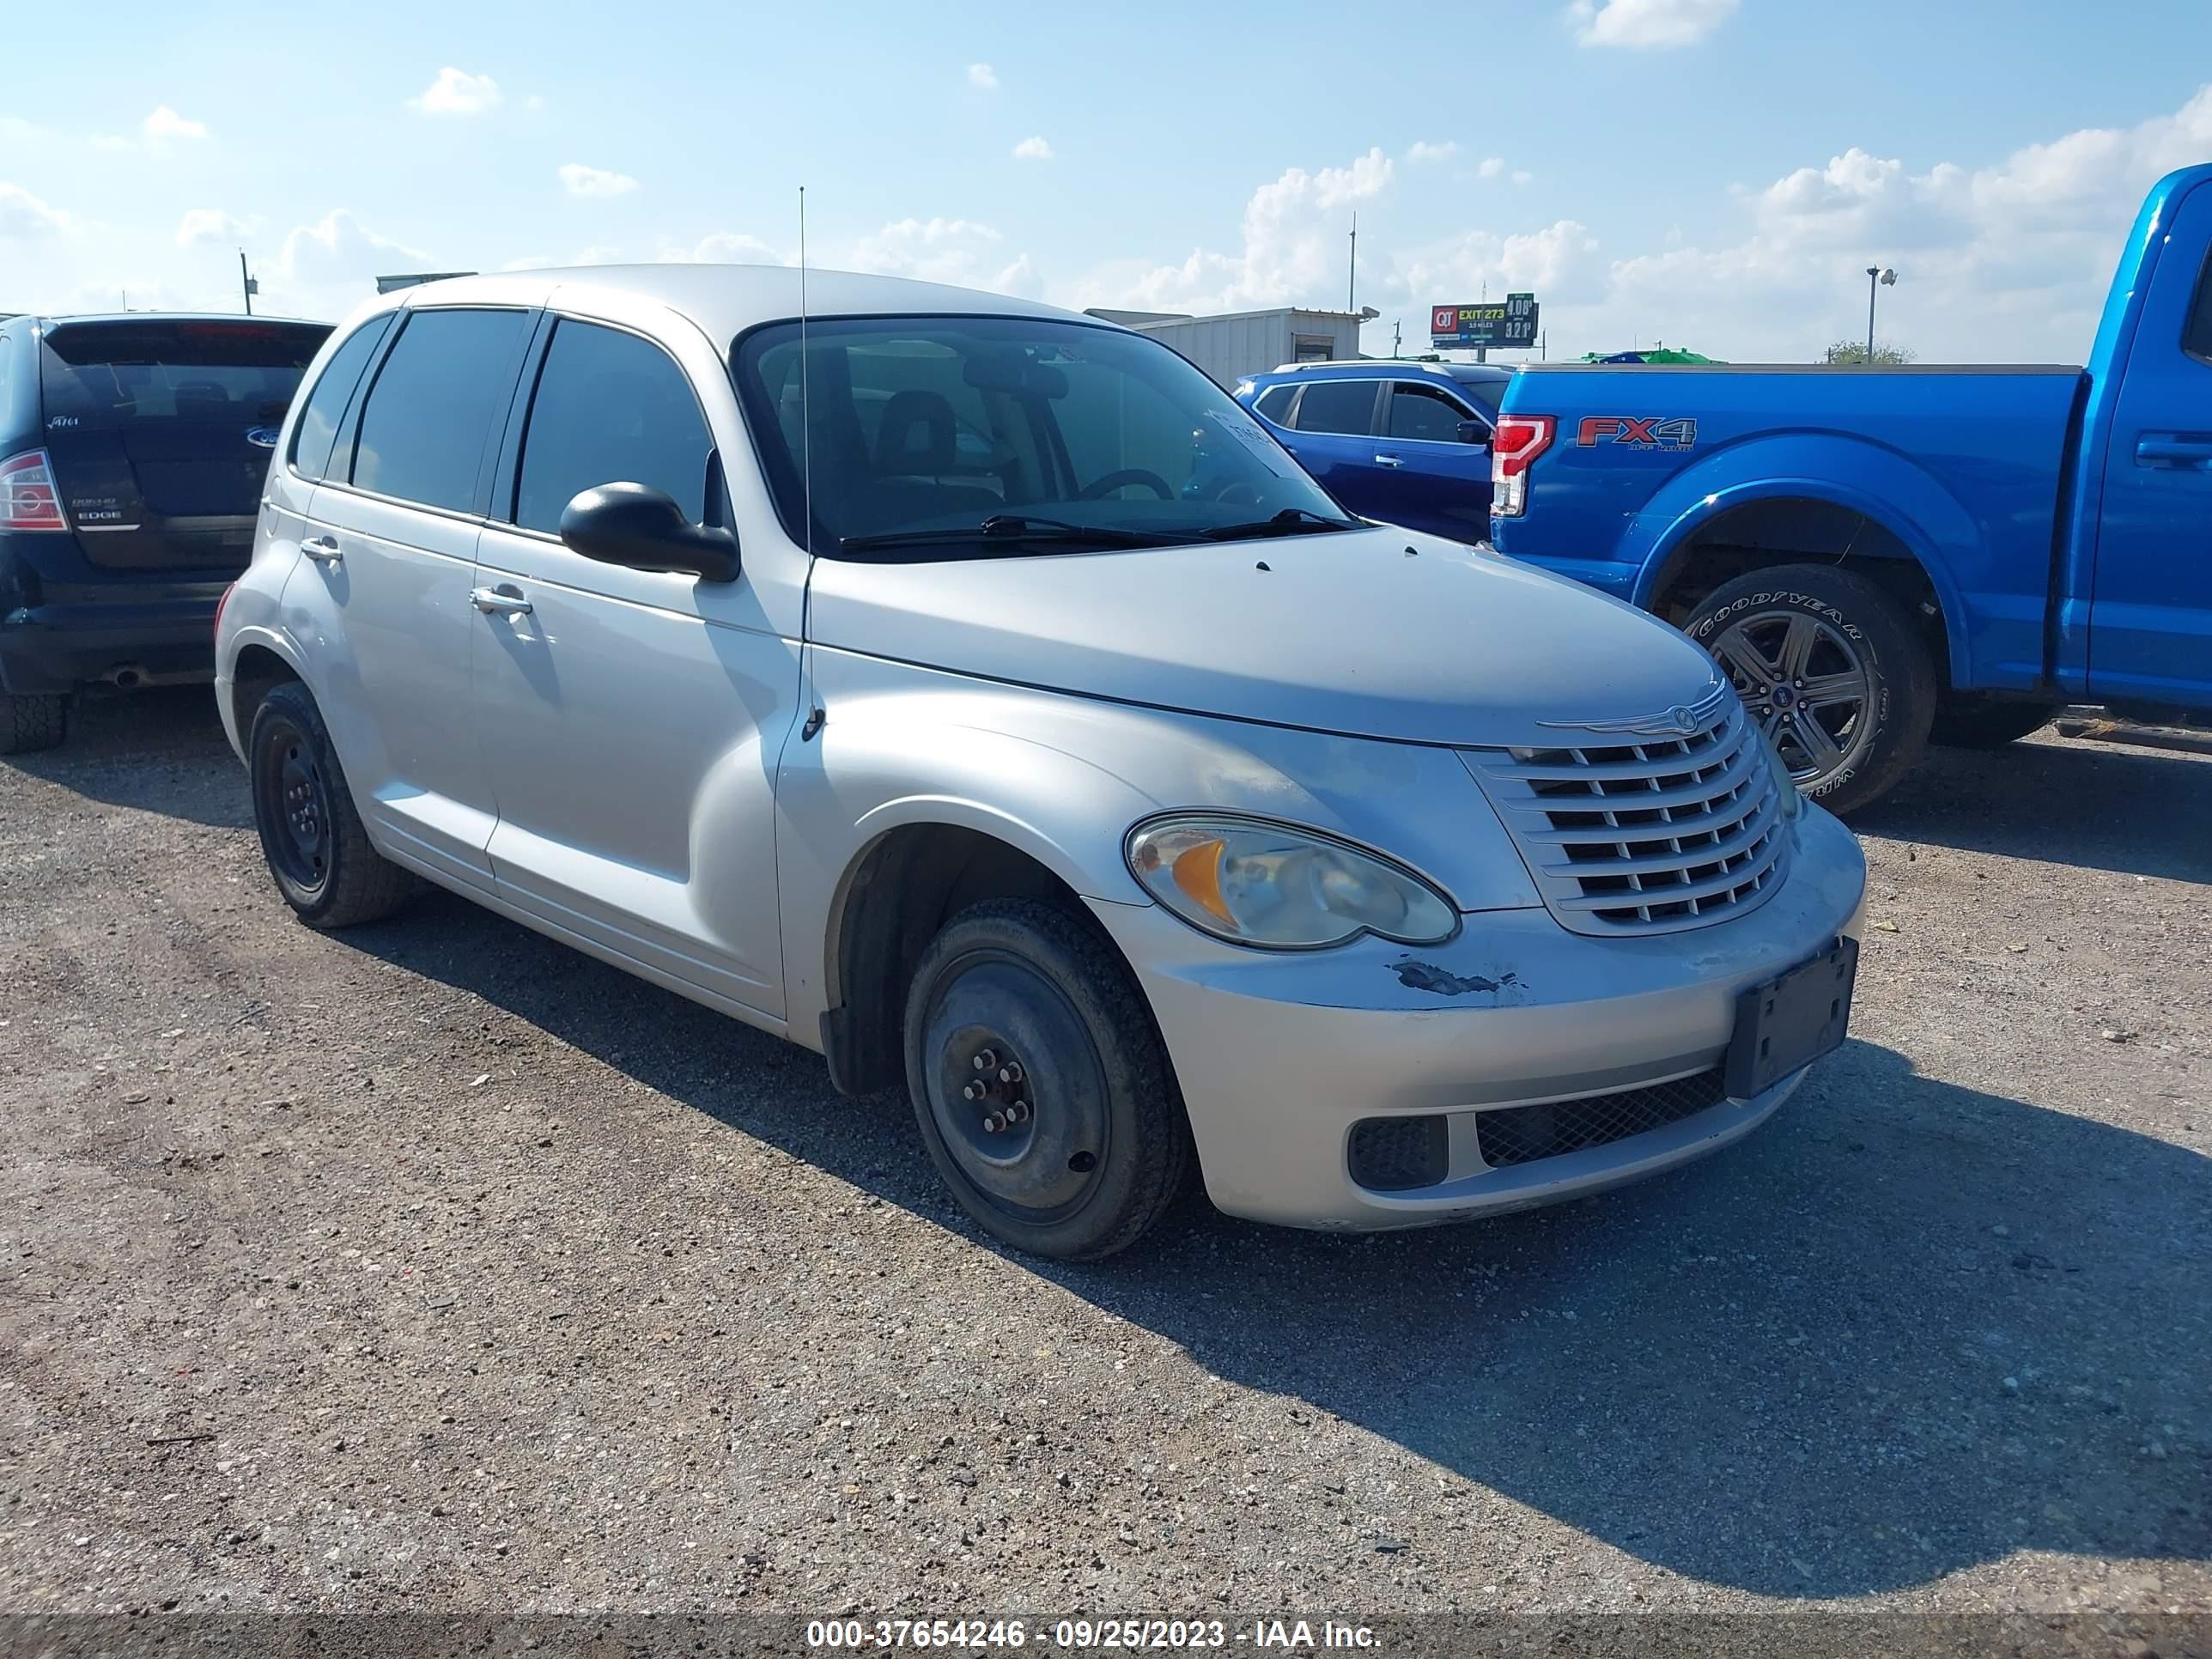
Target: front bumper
1278	1055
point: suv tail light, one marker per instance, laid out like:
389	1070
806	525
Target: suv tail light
1520	439
28	499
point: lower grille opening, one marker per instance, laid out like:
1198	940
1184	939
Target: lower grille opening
1521	1134
1395	1154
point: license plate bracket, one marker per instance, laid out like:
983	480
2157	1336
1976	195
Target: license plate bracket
1792	1020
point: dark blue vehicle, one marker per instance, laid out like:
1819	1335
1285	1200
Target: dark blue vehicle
132	453
1880	557
1406	443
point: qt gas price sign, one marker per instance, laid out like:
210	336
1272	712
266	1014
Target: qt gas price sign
1510	322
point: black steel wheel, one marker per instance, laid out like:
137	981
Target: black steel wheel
1833	670
1042	1091
312	836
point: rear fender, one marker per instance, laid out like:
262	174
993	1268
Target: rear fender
1902	498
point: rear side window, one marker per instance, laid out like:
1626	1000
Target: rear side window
1275	404
112	376
326	404
1337	406
611	408
429	414
1423	413
2197	333
1485	394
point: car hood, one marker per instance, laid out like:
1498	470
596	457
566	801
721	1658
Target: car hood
1374	633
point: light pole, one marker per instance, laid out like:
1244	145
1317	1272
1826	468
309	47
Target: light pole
1886	279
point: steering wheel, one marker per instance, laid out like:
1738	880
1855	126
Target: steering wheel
1098	489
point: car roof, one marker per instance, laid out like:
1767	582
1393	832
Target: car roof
724	300
58	319
1372	367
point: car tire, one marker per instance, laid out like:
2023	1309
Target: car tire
1966	721
30	723
1854	648
310	834
1092	1146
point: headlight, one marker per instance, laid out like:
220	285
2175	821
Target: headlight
1270	885
1792	802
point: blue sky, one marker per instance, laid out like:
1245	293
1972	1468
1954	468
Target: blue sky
1715	173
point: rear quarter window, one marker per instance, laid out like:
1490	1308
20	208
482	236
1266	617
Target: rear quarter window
334	388
123	374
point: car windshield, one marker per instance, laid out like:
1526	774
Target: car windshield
914	431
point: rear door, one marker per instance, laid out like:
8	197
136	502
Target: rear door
1443	480
1336	423
2150	618
390	534
161	430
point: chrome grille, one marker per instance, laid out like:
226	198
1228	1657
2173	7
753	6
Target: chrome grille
1649	836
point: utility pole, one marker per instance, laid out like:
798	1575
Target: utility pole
1877	278
1351	275
1397	331
247	283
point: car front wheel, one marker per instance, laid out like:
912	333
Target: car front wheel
1040	1082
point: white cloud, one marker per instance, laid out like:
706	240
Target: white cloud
1557	264
1648	24
166	123
580	181
326	269
1292	249
533	102
24	217
963	251
456	92
1522	176
1033	148
207	225
729	247
1491	166
1426	151
983	77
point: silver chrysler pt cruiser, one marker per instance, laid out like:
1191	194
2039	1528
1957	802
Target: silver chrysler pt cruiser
974	693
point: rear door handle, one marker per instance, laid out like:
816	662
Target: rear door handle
2173	449
322	549
1389	460
502	601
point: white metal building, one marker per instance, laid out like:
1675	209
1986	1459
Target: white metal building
1244	342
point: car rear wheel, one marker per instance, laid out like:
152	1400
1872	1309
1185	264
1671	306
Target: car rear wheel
311	835
1040	1082
1966	721
1833	671
31	723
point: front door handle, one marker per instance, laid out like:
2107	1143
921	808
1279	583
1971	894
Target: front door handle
1389	460
501	601
322	549
2174	449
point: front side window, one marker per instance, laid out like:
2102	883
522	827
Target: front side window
1426	415
967	433
1345	406
2197	332
326	404
609	407
429	414
133	375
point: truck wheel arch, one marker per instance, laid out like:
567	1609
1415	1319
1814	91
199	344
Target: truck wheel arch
1837	523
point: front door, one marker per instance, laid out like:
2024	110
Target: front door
1443	480
2150	618
630	720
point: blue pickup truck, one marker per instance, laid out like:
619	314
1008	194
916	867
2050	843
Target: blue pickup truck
1879	557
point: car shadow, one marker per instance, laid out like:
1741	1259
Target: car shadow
161	750
2061	802
1907	1328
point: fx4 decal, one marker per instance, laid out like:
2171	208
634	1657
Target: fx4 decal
1638	432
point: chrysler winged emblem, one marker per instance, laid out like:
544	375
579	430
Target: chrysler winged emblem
1682	720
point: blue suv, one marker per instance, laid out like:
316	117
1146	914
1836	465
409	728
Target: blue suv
1406	443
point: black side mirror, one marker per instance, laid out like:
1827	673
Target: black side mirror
637	525
1473	432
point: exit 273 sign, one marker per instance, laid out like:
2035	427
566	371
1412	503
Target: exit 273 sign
1508	322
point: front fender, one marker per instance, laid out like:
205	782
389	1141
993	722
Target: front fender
1864	478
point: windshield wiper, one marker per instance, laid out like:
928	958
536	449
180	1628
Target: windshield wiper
1017	530
1291	521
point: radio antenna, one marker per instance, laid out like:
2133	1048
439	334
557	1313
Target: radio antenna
805	410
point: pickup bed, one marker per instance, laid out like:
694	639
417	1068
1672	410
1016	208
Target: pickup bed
1879	556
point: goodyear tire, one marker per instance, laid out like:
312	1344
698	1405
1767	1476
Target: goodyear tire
1831	668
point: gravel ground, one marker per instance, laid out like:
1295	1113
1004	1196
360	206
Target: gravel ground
437	1265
